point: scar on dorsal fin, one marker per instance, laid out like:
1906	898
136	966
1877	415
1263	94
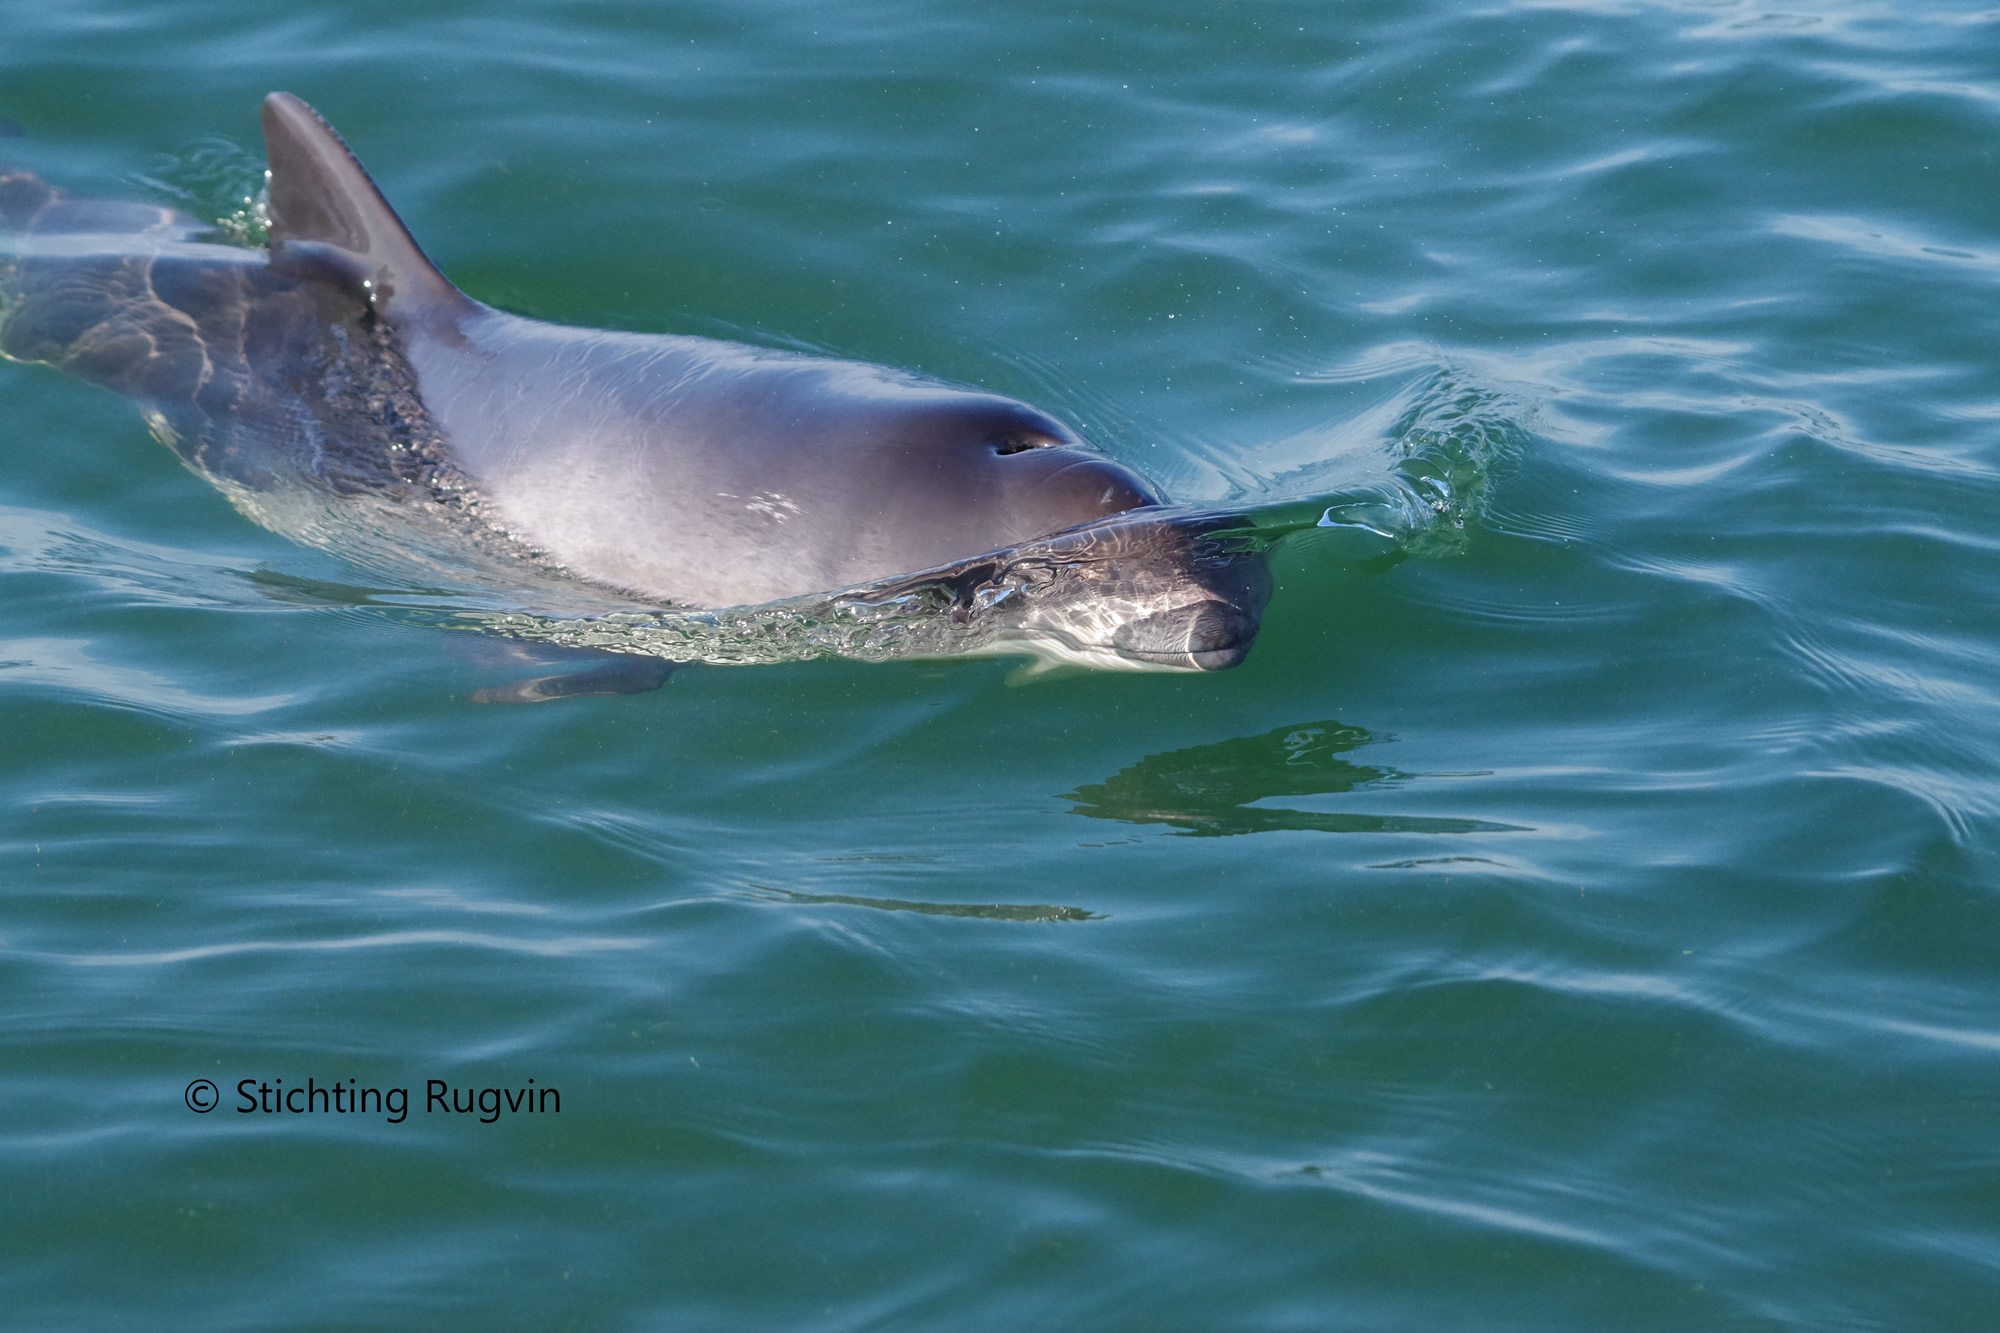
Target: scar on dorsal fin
328	217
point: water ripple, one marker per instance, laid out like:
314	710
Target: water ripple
561	947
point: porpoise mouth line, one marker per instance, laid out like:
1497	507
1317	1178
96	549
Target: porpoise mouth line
1208	659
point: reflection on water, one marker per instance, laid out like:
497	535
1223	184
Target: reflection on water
1208	790
986	911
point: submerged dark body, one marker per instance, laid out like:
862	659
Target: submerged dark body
340	372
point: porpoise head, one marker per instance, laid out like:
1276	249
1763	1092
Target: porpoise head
1085	562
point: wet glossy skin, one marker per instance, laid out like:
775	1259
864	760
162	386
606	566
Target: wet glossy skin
679	470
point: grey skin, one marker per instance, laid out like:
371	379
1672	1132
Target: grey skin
342	392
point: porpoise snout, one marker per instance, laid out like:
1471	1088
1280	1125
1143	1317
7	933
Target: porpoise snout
1210	635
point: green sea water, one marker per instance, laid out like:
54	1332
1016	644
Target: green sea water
1578	913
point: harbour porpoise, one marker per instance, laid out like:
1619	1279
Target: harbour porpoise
341	391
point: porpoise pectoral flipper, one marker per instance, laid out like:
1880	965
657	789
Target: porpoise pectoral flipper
620	674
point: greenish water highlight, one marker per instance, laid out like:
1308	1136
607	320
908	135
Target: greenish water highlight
1577	913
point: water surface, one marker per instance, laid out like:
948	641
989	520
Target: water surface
1577	913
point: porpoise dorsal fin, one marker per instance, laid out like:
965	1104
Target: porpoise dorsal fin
328	216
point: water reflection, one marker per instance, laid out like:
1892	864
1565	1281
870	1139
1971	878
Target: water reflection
1209	790
985	911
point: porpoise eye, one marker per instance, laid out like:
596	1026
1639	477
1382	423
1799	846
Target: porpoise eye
1024	441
